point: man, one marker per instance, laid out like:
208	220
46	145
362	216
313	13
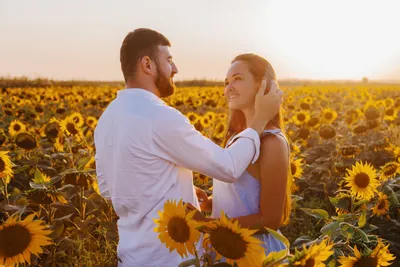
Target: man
146	150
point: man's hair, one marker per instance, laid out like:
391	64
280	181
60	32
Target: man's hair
137	44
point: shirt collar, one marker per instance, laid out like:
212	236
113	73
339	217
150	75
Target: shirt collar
139	92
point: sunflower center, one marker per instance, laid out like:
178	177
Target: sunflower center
178	229
329	116
362	180
301	117
293	168
366	262
310	263
227	243
381	205
14	240
71	128
390	170
17	127
2	165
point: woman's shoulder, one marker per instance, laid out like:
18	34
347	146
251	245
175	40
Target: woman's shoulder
274	140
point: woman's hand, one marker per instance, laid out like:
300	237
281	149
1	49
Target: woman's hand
198	216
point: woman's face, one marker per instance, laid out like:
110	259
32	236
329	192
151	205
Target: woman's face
240	86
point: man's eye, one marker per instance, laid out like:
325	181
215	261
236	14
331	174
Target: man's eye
237	78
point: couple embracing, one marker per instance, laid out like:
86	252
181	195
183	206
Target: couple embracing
146	151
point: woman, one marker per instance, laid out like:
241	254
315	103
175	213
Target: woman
261	196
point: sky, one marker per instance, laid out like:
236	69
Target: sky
307	39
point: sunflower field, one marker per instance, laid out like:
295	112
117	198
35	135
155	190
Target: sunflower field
345	164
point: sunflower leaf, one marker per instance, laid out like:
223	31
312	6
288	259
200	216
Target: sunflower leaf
329	228
363	219
279	237
341	203
317	213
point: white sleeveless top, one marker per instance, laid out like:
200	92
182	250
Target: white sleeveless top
242	198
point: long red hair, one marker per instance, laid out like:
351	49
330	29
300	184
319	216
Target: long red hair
259	67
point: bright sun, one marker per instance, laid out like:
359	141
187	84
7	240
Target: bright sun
334	39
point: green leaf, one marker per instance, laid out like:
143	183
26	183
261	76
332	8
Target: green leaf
83	161
350	230
274	258
341	203
329	228
279	237
317	213
361	202
363	219
392	195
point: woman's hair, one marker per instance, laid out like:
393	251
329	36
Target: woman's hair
259	67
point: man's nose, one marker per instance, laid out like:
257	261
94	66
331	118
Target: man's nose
174	69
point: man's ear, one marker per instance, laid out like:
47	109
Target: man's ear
146	65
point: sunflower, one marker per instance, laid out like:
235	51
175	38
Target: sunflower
315	255
349	151
296	168
301	118
389	114
352	115
360	129
371	111
59	143
382	207
5	165
51	129
26	140
327	131
22	238
193	117
16	127
70	128
202	179
362	180
91	122
77	118
220	130
380	256
389	170
176	228
45	196
328	115
237	245
210	115
309	100
205	121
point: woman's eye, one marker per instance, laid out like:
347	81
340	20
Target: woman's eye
237	78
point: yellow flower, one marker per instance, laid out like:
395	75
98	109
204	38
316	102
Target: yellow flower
380	256
77	118
26	140
176	228
193	117
301	117
382	206
389	170
16	127
5	166
315	255
233	243
296	168
362	180
70	128
91	122
328	115
31	237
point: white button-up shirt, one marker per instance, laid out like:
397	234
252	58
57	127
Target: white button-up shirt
145	154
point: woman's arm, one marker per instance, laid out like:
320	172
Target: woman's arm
274	163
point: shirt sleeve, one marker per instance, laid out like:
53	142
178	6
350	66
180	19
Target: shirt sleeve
103	187
177	141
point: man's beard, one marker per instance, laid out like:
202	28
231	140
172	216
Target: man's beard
164	84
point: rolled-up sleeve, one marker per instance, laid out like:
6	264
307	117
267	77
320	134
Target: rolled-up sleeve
177	141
